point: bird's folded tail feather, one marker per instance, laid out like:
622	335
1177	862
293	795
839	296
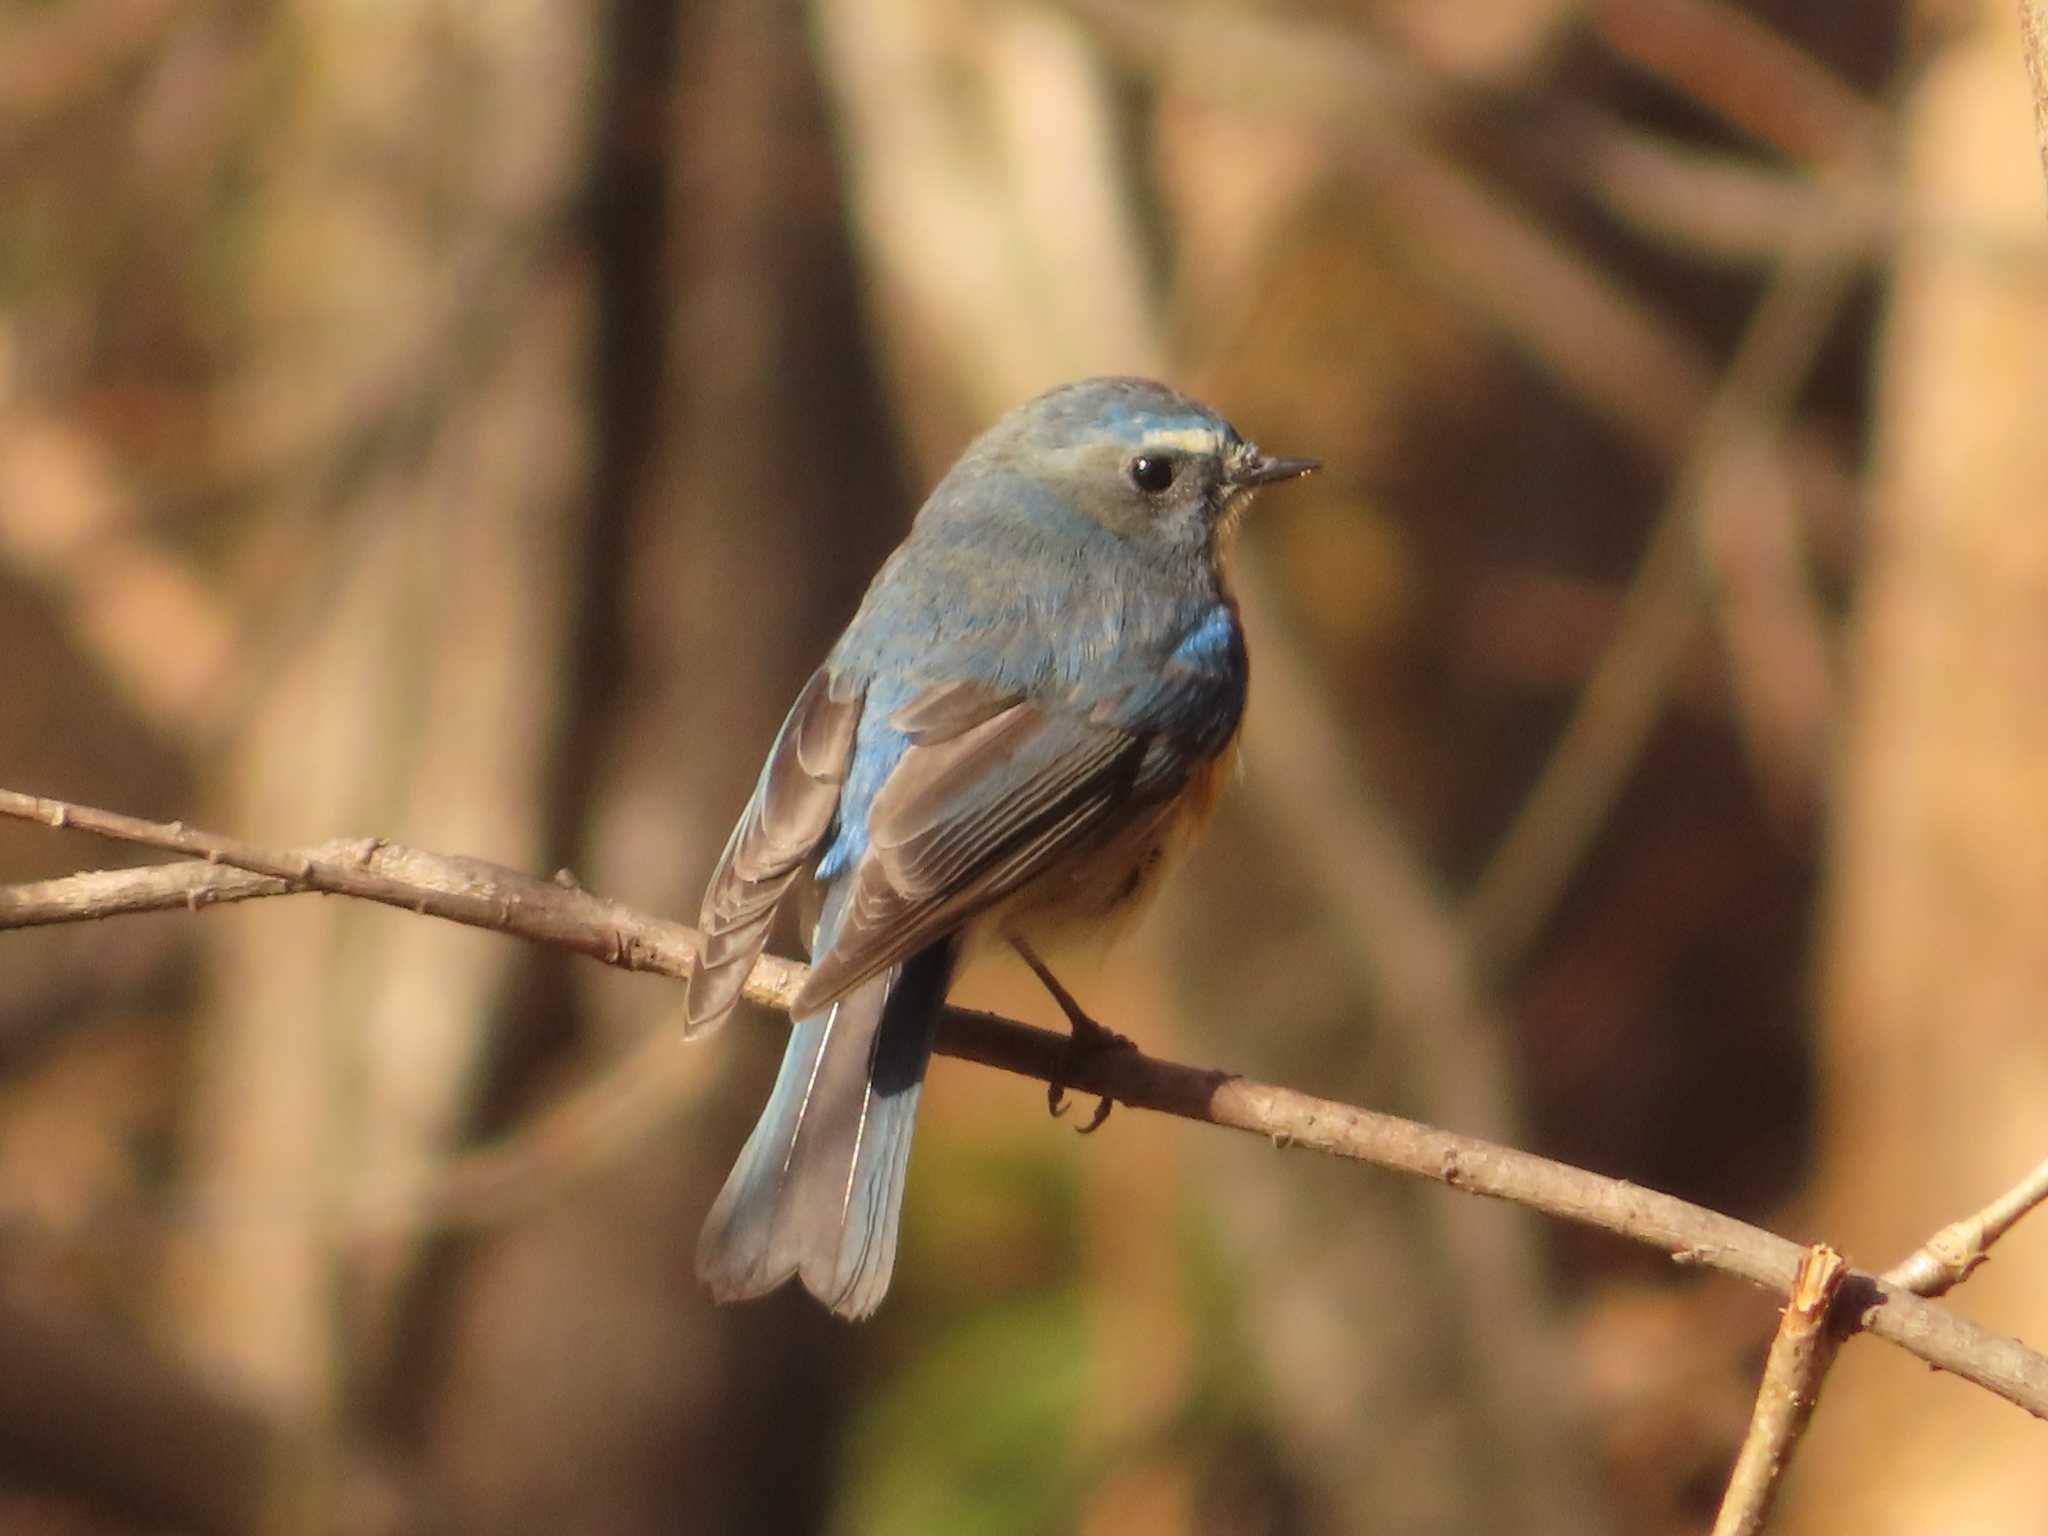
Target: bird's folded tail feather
817	1191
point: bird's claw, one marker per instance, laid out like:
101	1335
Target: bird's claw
1056	1098
1088	1039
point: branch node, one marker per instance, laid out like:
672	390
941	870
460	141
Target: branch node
1953	1254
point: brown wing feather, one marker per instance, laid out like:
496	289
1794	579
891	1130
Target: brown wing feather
927	847
790	811
944	710
965	821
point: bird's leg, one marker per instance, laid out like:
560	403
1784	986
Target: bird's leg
1087	1038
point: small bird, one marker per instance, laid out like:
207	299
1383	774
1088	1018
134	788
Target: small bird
1033	711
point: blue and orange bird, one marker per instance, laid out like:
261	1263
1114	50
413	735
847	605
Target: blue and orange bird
1032	712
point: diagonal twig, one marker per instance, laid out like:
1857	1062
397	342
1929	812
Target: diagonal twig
486	895
1808	1336
1946	1259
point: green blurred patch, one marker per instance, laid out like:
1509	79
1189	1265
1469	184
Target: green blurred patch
976	1436
988	1214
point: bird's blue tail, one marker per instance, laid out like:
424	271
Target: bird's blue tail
818	1188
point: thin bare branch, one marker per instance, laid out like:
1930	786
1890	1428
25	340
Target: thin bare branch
486	895
97	893
461	890
1808	1337
1946	1259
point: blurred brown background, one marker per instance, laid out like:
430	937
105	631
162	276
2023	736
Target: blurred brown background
469	423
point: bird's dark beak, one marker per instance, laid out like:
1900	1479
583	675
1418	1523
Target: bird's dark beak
1256	468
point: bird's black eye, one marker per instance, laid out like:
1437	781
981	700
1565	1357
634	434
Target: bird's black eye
1153	472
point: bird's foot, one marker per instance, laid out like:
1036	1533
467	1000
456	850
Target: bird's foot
1088	1039
1082	1045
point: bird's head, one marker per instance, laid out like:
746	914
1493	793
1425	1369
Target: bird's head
1140	459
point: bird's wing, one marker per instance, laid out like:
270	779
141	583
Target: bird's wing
992	791
790	812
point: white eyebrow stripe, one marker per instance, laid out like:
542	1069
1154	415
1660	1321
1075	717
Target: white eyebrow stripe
1196	440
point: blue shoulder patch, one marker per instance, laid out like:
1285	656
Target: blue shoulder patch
1213	644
